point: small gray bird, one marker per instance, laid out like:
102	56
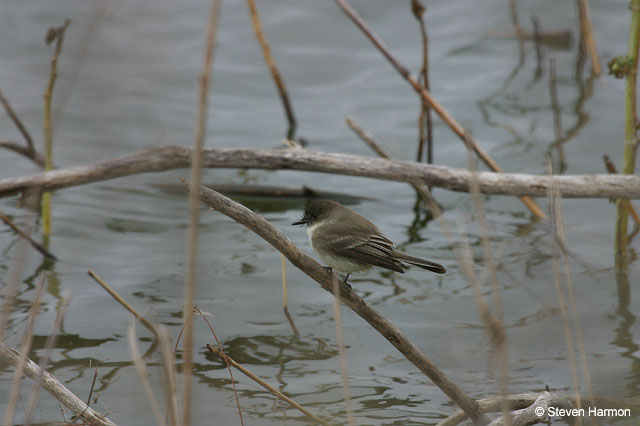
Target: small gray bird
348	242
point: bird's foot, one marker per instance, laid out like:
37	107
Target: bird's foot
348	286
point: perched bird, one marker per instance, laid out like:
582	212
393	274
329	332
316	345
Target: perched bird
348	242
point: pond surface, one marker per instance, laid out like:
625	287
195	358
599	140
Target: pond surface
128	80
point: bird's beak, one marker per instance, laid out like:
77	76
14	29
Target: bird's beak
302	221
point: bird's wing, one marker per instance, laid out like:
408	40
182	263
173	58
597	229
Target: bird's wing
376	250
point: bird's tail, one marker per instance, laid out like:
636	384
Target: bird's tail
421	263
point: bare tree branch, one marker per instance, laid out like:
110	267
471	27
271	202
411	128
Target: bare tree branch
171	157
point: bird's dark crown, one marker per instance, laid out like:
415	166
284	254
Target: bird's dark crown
318	210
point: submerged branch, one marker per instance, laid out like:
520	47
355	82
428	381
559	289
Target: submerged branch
53	386
170	157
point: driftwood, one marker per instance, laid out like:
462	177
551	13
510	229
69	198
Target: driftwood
536	412
524	400
54	387
171	157
322	276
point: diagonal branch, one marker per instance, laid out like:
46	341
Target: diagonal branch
280	242
431	101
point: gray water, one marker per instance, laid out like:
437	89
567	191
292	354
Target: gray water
128	80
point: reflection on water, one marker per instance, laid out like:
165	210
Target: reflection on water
137	88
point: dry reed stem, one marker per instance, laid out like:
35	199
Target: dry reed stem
57	35
36	245
52	385
586	30
264	384
283	264
48	349
233	382
630	135
93	383
513	8
171	387
426	96
141	369
561	38
611	168
424	119
273	69
323	277
25	348
371	141
555	211
561	165
192	233
123	302
344	372
560	241
14	279
172	157
493	321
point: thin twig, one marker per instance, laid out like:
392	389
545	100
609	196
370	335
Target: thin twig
36	245
192	240
57	35
233	382
93	383
558	241
217	352
561	165
16	120
123	302
371	141
172	157
426	96
275	74
285	307
24	151
351	299
171	388
141	369
344	373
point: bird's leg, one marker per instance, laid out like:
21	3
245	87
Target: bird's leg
346	283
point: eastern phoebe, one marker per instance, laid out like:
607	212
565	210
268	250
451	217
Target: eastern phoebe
348	242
